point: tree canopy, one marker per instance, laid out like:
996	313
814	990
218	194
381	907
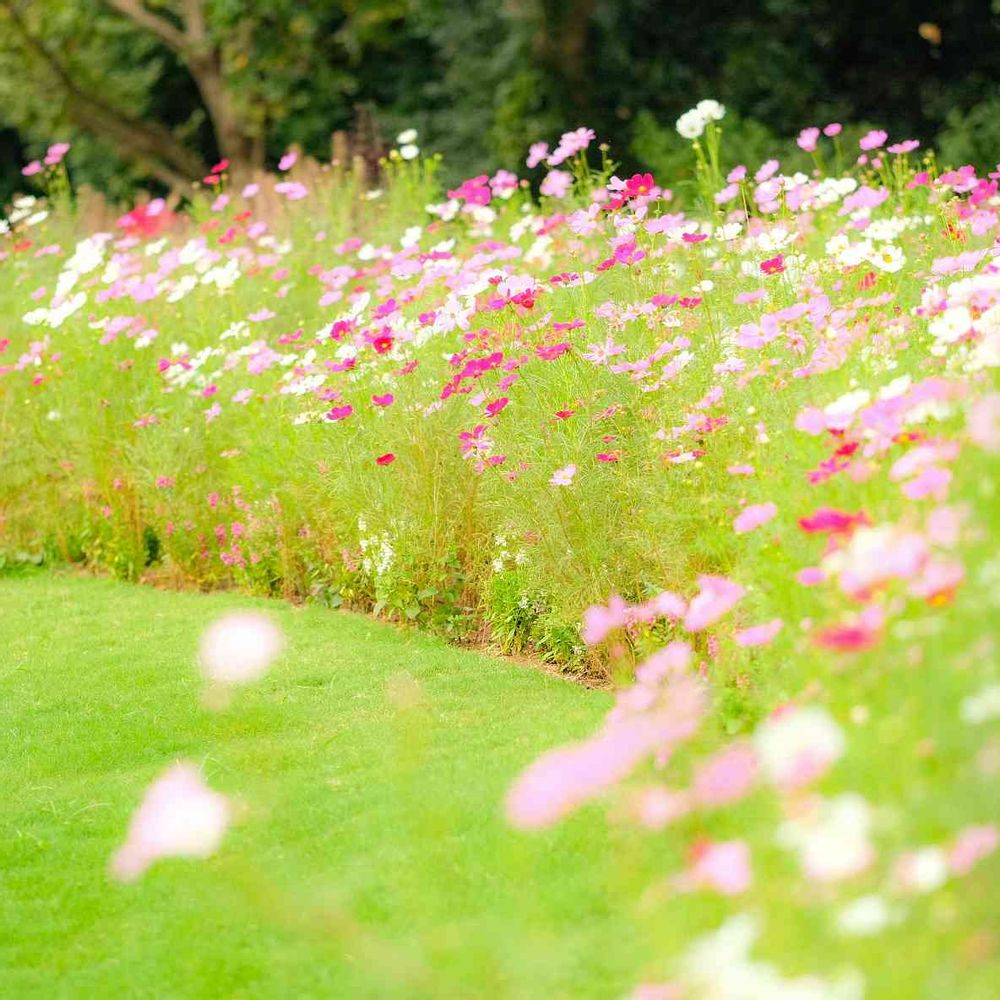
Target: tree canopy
159	89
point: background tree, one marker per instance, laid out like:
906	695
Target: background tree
159	88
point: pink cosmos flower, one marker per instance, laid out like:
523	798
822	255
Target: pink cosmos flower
907	146
599	620
721	866
833	129
984	422
35	167
387	459
759	635
725	777
660	711
385	399
556	184
474	191
717	595
503	182
754	516
537	152
239	647
808	138
55	153
767	170
873	139
292	190
340	412
288	161
180	816
972	845
563	476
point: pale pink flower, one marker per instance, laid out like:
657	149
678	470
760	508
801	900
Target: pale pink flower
722	866
726	776
972	845
292	190
180	816
599	620
239	647
556	184
759	635
657	991
655	808
563	476
35	167
807	140
873	139
767	170
563	779
984	422
754	516
716	596
833	129
288	161
537	152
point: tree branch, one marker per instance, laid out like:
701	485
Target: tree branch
135	139
165	30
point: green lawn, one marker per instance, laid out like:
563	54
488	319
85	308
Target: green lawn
370	858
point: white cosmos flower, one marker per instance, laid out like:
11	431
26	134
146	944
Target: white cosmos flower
888	258
407	137
691	124
864	916
711	110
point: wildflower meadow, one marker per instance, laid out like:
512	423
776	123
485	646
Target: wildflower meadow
713	465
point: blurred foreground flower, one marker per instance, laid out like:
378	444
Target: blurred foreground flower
238	648
180	817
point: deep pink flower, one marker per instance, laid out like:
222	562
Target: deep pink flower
831	521
340	412
494	407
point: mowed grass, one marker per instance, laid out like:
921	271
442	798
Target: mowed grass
370	857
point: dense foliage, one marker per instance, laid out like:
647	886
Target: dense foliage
166	88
